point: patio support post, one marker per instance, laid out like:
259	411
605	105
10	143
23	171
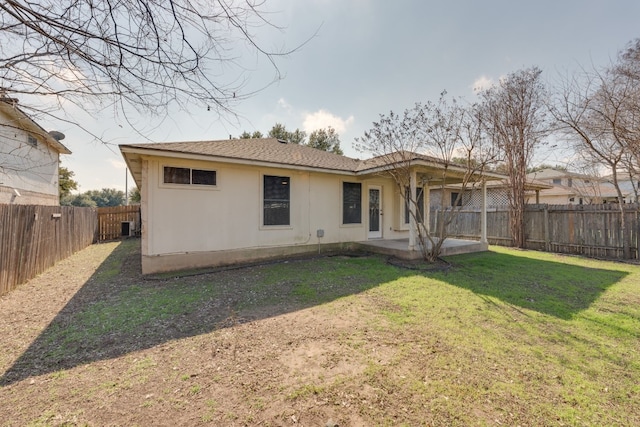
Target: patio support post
483	214
427	208
412	210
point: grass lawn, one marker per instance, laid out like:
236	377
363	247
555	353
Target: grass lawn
505	337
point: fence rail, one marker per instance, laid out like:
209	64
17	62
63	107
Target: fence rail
34	237
591	230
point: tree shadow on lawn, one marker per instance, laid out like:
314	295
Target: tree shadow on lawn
119	311
553	288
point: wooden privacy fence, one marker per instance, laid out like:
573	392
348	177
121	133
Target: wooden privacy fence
33	238
118	221
591	230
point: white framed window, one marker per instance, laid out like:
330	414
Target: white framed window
32	140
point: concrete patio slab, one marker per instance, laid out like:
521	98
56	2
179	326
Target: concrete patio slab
400	247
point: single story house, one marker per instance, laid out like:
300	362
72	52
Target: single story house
211	203
29	158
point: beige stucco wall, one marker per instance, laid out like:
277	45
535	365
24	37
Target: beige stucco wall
188	226
31	170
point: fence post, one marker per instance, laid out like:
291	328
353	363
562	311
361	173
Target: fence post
635	229
546	228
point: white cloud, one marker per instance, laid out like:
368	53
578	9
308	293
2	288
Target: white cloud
482	83
323	119
282	103
118	164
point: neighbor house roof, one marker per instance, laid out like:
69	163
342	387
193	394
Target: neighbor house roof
272	152
551	173
23	121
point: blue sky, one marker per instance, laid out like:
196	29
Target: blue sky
369	57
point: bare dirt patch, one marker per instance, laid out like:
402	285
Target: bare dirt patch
244	356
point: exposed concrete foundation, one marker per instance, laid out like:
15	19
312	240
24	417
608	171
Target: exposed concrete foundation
395	247
191	260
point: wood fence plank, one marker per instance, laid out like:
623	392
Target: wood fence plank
32	239
591	230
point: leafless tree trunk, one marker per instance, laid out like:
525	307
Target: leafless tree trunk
515	116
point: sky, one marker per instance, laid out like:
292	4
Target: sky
364	58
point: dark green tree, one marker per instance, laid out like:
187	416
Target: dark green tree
280	132
82	200
66	183
107	197
134	196
255	135
326	140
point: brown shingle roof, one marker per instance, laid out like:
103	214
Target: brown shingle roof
273	152
264	149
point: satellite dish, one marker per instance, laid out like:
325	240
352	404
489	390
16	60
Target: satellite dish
58	136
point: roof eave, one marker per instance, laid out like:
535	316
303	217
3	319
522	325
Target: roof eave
140	151
422	163
28	124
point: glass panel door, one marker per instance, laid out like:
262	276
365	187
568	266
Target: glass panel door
375	213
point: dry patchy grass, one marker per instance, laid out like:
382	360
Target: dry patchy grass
500	338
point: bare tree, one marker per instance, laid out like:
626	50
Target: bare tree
598	111
515	115
441	133
145	54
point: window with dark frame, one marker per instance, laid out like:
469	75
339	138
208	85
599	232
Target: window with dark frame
203	177
187	176
276	200
456	199
173	175
420	201
351	203
32	140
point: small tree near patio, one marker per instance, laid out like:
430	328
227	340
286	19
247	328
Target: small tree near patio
442	132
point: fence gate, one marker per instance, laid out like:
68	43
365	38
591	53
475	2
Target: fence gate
118	221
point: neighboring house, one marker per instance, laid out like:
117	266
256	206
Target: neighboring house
29	158
628	188
570	188
497	195
221	202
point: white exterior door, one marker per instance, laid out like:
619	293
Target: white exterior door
375	212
